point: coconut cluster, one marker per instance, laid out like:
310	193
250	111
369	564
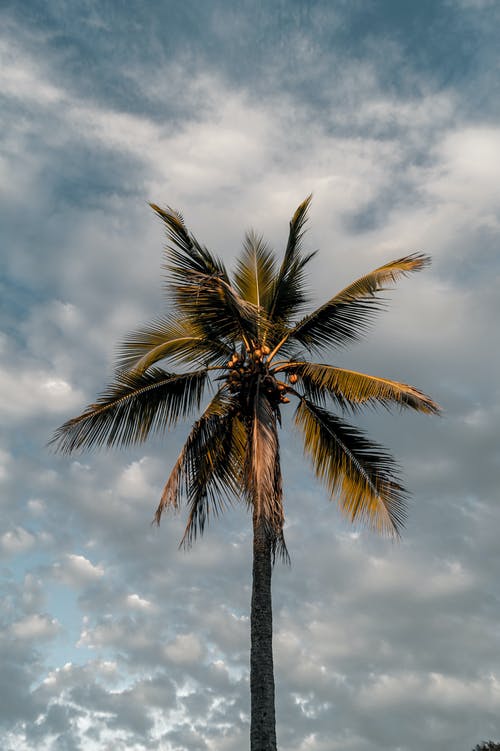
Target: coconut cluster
243	367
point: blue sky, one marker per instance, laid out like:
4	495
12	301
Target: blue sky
233	113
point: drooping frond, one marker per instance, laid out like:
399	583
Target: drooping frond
178	481
215	472
358	472
289	294
255	271
209	468
347	316
350	389
167	337
131	408
262	464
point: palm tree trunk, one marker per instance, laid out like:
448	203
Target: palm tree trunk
262	723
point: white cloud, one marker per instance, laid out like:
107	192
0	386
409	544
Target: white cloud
33	392
77	571
21	77
35	627
465	174
135	602
17	541
134	482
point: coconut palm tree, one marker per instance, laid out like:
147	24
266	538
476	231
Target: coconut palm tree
247	340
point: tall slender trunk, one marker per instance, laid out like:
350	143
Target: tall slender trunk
262	723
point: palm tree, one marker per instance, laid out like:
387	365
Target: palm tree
247	339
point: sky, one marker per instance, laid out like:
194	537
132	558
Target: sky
388	112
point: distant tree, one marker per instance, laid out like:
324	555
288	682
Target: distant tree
487	746
247	339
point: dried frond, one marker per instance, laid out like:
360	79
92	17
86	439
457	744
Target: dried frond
262	475
185	477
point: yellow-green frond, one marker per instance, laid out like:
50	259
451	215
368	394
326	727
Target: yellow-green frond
255	271
348	315
168	338
361	475
349	388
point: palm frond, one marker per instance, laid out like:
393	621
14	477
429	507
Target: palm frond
262	476
215	472
350	389
347	316
215	307
131	408
167	337
288	293
185	254
296	233
255	271
178	481
358	472
208	471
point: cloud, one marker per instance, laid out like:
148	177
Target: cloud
35	627
77	571
186	648
32	393
16	541
135	602
234	120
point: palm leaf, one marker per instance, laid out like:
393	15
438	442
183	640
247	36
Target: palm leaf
255	271
262	476
213	306
288	294
346	317
178	482
362	475
131	408
170	338
214	471
209	468
185	254
349	388
199	283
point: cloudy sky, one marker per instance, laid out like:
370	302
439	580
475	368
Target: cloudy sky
388	111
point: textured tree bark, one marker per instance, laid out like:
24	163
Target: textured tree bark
262	723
